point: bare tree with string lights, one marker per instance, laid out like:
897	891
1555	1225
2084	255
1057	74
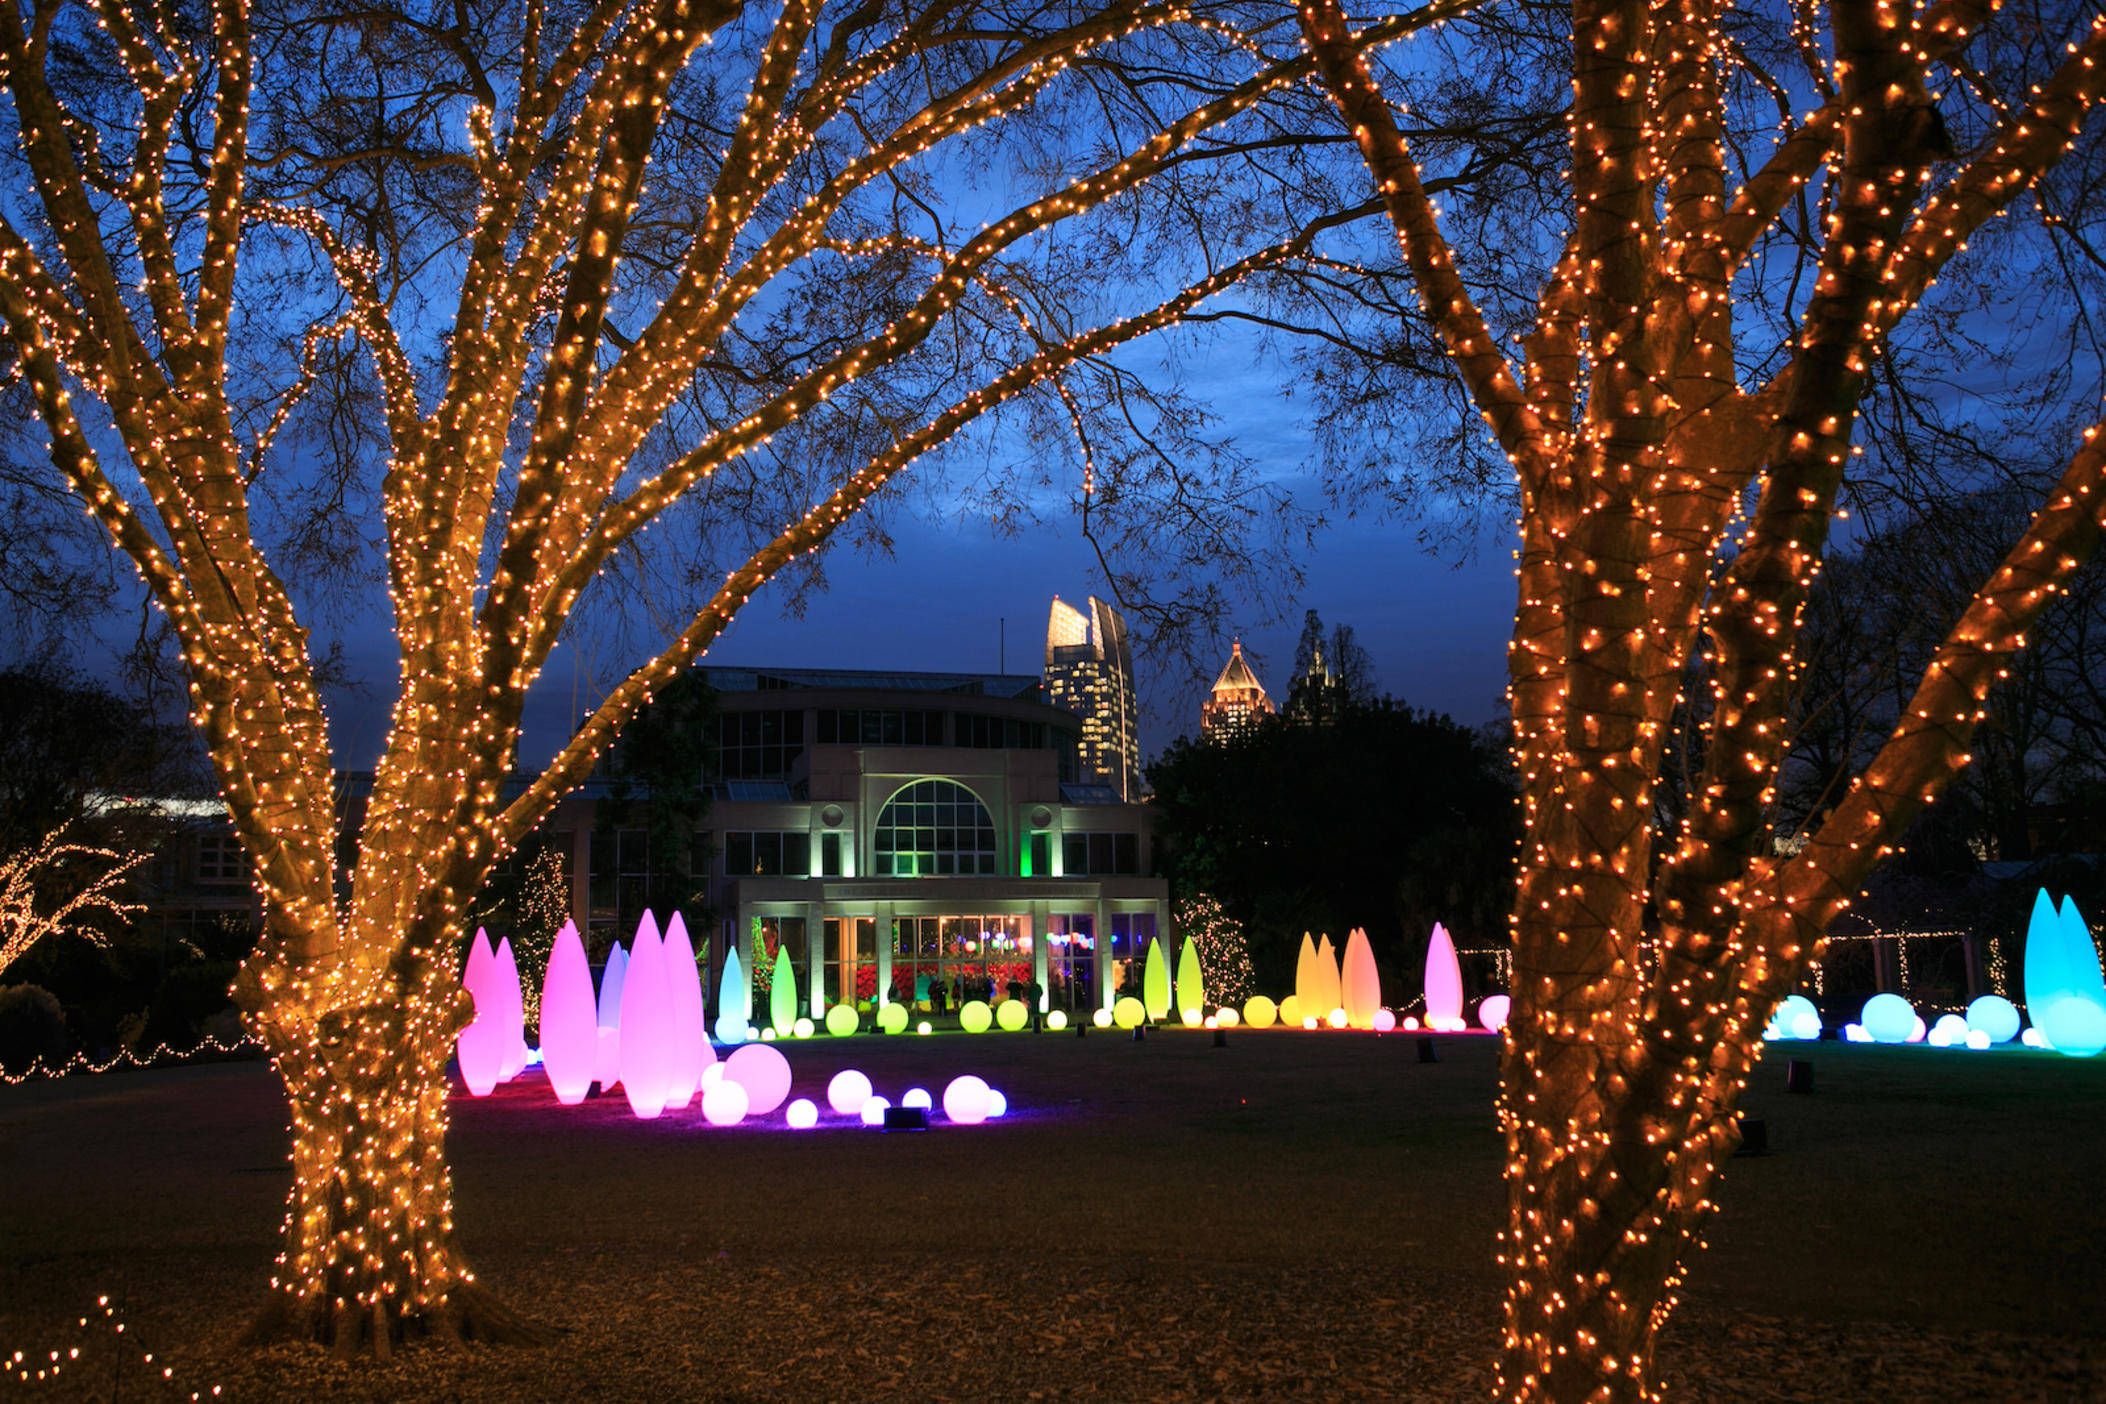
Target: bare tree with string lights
489	290
1680	457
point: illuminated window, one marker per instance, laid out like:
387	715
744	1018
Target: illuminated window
218	858
935	828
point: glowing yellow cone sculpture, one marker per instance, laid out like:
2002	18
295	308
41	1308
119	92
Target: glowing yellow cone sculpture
782	994
1360	985
1305	989
1155	984
1191	987
1327	992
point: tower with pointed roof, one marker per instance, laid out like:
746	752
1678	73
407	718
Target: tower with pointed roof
1089	671
1237	703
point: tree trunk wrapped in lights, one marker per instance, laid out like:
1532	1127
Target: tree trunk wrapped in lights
551	376
1648	957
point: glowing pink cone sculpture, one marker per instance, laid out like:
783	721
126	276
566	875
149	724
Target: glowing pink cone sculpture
691	1050
512	1012
647	1024
1361	986
1443	982
607	1062
480	1045
569	1025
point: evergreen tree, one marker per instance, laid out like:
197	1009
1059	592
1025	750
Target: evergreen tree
1223	949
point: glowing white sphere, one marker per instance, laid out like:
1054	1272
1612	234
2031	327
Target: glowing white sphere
873	1112
1995	1016
1129	1012
1226	1017
1855	1033
2031	1038
763	1072
1806	1025
1411	1022
847	1091
725	1103
893	1018
841	1020
1939	1038
767	1033
1953	1026
918	1097
804	1028
1308	1021
802	1114
1337	1019
997	1104
1191	1018
1013	1015
965	1100
1102	1018
1259	1012
1057	1020
1888	1018
924	1028
711	1076
1384	1021
1978	1039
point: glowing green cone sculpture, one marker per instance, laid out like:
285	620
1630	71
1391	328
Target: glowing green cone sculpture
782	994
1155	984
1191	989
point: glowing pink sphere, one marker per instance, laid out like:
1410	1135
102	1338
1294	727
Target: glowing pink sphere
1384	1021
965	1100
847	1091
1495	1010
763	1072
724	1104
802	1114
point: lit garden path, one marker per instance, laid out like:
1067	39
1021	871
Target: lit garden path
1155	1220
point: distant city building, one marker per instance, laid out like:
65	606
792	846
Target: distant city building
1238	701
1089	671
1318	695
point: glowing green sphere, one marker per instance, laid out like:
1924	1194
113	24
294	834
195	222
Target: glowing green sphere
1012	1015
841	1020
974	1016
1259	1012
893	1018
1128	1012
1057	1020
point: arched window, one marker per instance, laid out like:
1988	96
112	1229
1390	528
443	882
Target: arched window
935	828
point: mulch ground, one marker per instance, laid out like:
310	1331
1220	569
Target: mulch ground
1295	1216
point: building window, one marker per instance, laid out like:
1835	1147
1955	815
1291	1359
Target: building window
1038	857
218	858
850	726
935	828
767	854
1100	855
830	855
758	745
1000	733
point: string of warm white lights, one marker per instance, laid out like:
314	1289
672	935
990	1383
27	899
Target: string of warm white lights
69	1364
161	1055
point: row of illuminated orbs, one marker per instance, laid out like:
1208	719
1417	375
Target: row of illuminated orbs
2065	994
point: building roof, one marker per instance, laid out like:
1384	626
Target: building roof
1237	675
1020	687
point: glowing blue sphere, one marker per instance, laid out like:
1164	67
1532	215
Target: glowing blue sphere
997	1104
1888	1018
1785	1023
1995	1016
2072	1024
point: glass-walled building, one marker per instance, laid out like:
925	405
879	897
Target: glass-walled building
923	838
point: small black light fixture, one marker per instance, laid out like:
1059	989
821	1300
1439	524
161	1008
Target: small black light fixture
1426	1053
906	1118
1221	1038
1754	1135
1798	1075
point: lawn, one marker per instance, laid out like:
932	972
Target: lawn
1295	1213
